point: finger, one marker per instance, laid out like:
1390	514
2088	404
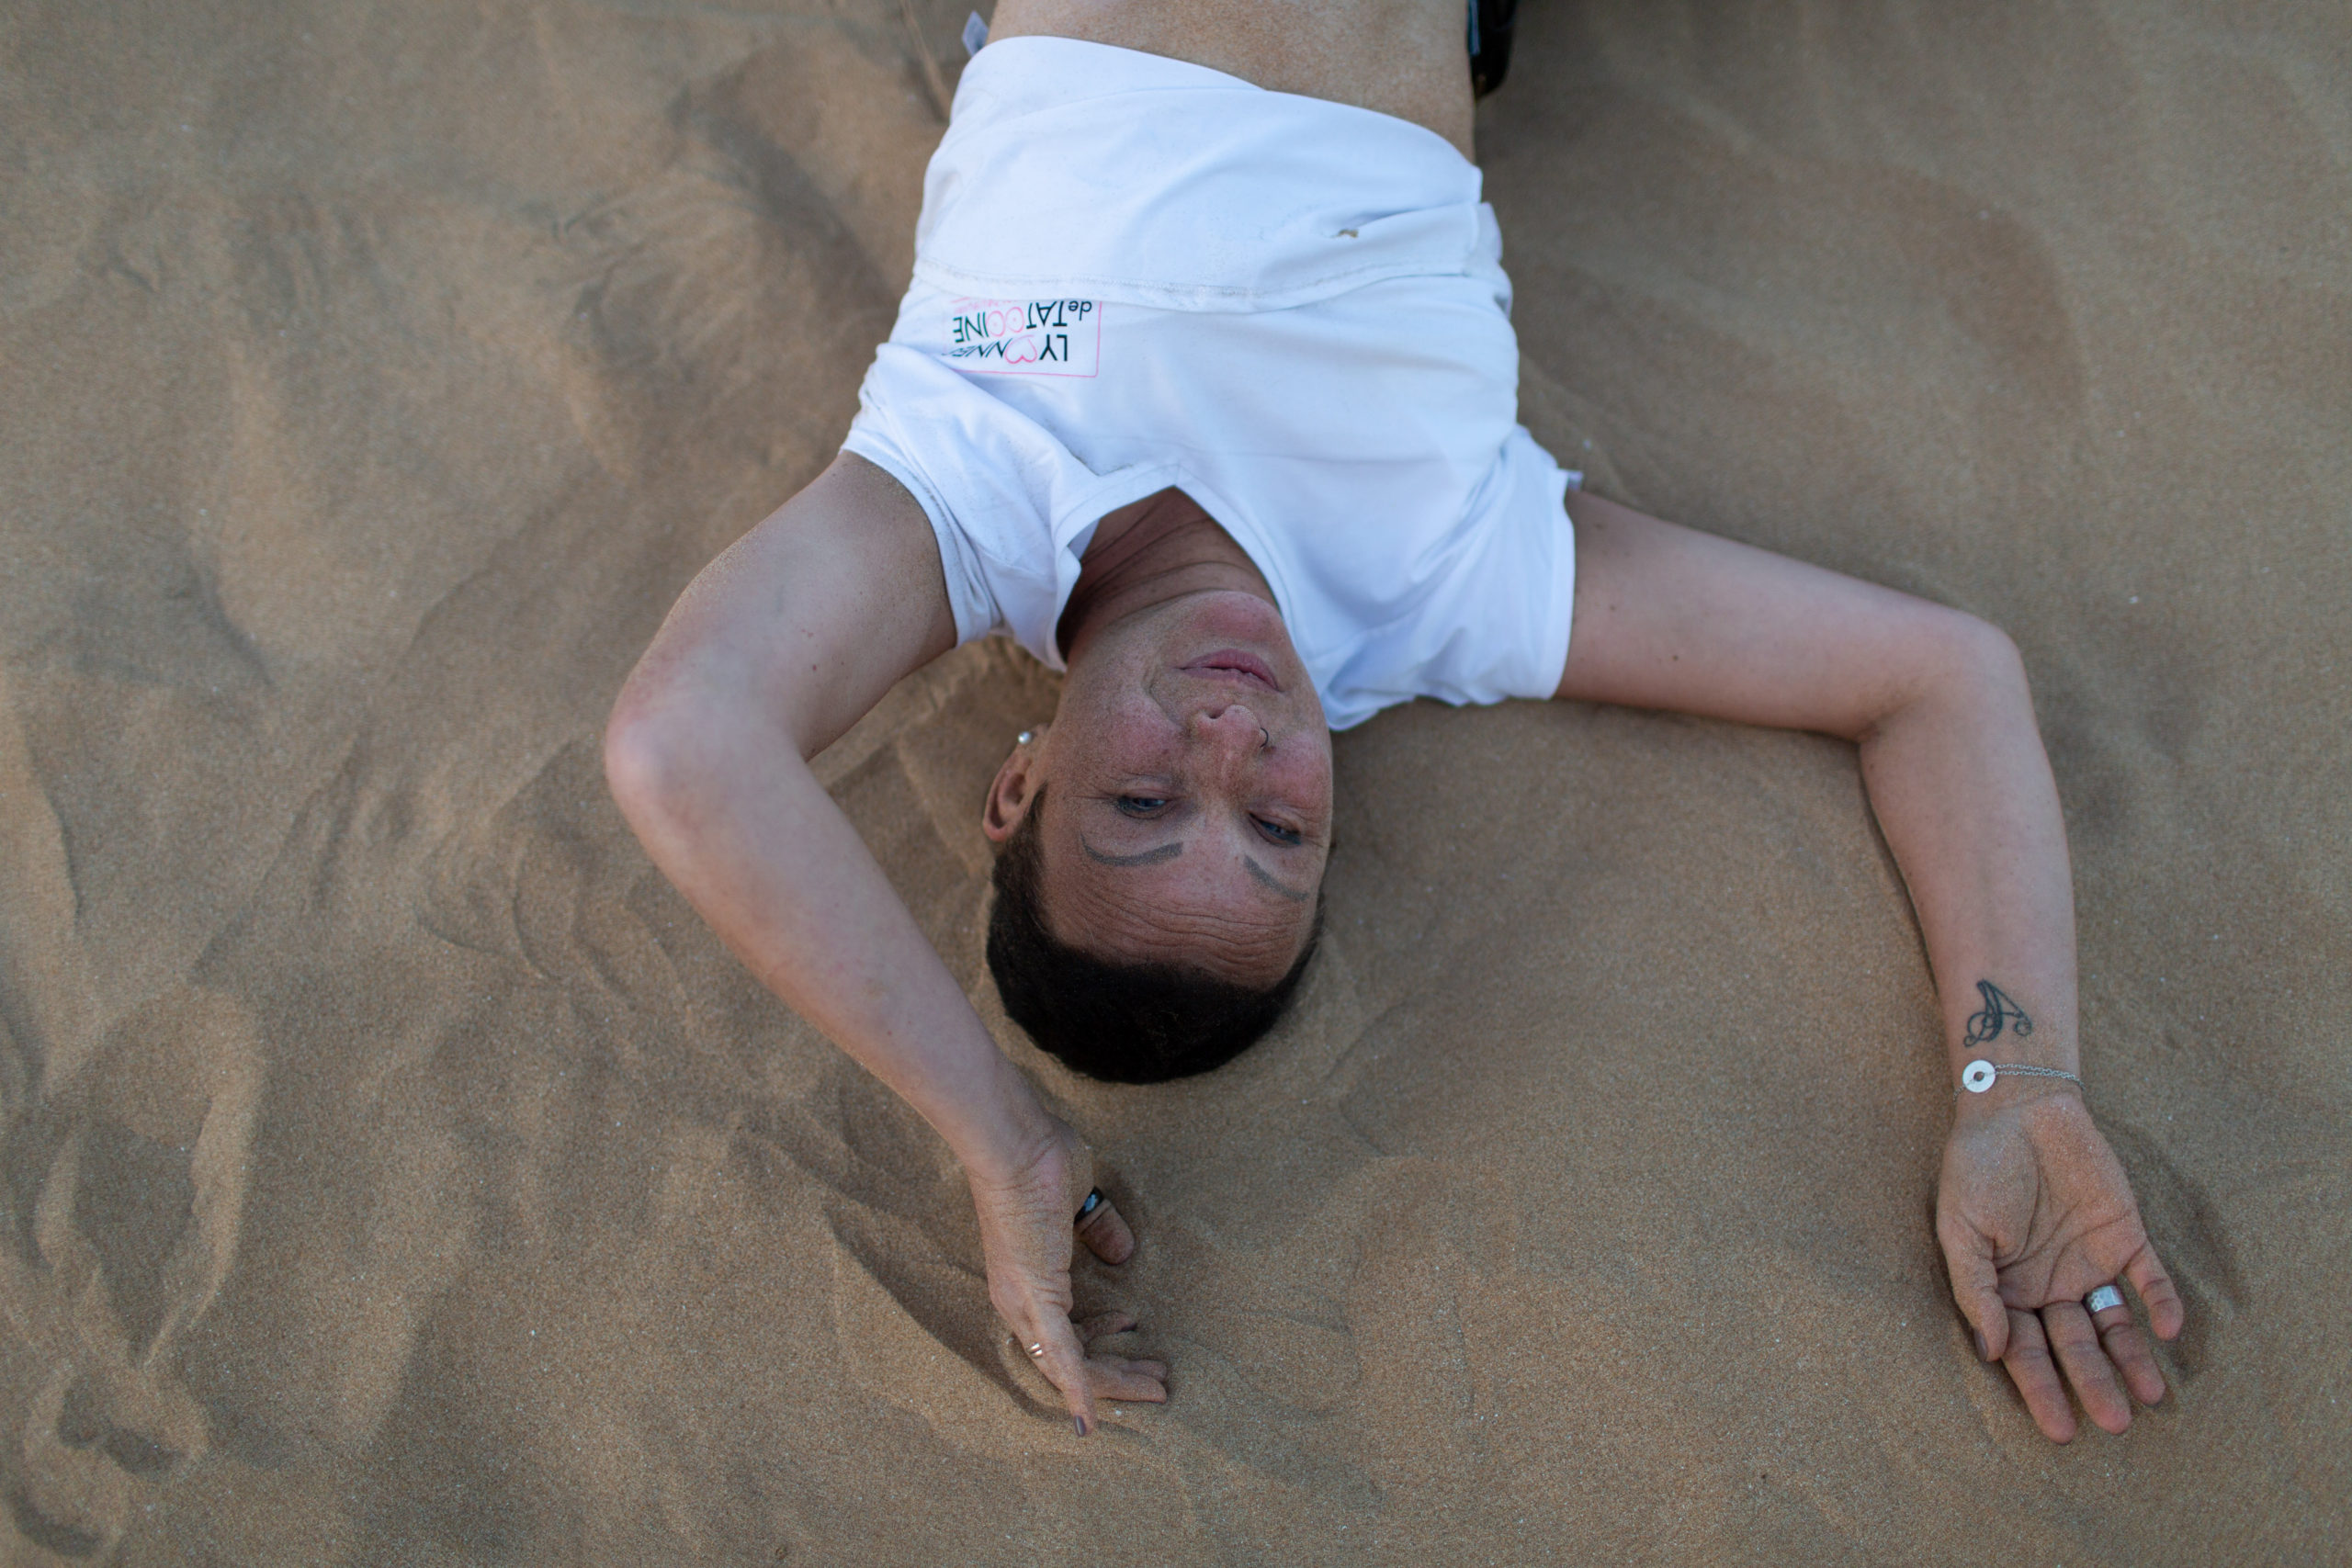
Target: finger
1133	1379
1106	1234
1134	1382
1052	1343
2128	1347
1976	1287
1103	1326
2076	1343
2036	1375
1121	1377
2165	1314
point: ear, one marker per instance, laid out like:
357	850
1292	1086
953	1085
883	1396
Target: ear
1014	790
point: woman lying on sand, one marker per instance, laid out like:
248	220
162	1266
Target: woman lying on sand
1204	390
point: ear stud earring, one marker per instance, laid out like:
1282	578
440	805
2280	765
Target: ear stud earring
1024	737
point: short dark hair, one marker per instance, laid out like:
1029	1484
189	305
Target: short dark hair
1120	1022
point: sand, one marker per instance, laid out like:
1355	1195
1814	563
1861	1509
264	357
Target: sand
398	1173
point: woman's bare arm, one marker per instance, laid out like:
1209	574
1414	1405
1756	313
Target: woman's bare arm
1937	701
775	650
1668	617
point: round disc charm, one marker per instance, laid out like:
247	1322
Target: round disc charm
1977	1076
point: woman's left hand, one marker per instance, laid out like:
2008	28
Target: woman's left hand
2034	1213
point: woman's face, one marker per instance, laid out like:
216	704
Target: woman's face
1190	817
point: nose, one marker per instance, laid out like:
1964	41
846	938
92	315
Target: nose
1232	732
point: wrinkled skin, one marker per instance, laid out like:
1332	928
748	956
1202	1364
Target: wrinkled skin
1028	1240
2033	1213
1189	813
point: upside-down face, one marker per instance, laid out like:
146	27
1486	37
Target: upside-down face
1189	815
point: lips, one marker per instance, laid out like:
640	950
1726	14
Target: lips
1232	664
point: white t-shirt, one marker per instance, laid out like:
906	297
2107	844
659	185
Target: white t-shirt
1132	273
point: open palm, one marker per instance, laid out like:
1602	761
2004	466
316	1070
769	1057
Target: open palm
2033	1212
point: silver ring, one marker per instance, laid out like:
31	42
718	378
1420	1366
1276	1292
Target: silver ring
2098	1300
1036	1349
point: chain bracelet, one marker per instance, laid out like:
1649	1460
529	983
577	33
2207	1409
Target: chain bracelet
1978	1075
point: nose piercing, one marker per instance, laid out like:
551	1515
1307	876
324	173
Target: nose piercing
1265	740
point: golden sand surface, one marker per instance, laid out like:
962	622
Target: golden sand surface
398	1173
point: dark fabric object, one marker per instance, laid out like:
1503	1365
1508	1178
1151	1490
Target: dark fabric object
1119	1022
1490	29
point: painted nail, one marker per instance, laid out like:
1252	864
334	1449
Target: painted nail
1079	1422
1984	1351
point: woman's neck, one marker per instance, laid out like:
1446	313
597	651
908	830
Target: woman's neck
1142	556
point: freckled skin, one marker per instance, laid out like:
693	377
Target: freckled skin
1232	765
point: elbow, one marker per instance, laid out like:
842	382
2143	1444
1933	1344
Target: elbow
1972	667
1958	664
650	743
1982	659
635	756
692	736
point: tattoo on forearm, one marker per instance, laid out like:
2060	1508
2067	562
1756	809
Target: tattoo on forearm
1984	1028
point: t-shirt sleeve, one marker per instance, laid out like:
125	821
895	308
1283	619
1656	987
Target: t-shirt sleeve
880	436
1492	619
1010	506
1521	590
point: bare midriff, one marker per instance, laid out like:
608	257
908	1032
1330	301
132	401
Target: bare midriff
1407	58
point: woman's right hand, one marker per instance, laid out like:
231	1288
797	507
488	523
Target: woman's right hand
1027	1236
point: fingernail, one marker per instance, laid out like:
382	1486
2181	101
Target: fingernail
1079	1422
1984	1351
